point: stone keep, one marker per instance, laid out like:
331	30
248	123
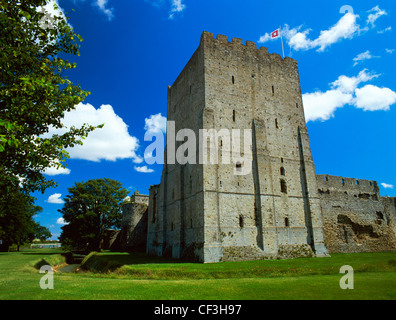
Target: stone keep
207	212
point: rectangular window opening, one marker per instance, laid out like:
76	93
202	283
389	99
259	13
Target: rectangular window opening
283	186
241	223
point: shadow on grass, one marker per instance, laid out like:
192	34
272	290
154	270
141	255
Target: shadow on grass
109	262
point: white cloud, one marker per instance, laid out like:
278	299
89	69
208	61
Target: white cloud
387	186
322	105
61	221
143	169
298	40
55	198
53	9
390	51
349	84
345	28
384	30
265	38
112	142
344	91
176	7
52	171
155	124
362	57
373	98
102	6
155	3
376	13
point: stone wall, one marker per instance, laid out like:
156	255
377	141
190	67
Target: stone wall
175	226
279	207
276	205
206	211
133	234
356	217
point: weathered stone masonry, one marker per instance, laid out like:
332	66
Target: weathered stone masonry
133	234
281	208
356	218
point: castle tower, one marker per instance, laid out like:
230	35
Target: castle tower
250	207
133	233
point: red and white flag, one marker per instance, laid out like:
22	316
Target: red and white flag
275	34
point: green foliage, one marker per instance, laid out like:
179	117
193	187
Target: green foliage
17	225
90	208
35	93
50	260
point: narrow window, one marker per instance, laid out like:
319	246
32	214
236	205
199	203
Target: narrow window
233	80
154	207
233	115
190	184
276	124
370	183
343	182
238	166
283	186
273	90
357	182
241	222
326	179
281	160
286	222
296	105
282	171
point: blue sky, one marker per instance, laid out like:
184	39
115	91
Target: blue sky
134	49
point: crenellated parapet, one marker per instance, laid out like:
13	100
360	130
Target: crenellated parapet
351	186
237	43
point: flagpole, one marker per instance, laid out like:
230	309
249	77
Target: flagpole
283	50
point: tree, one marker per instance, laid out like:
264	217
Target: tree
17	225
90	208
35	94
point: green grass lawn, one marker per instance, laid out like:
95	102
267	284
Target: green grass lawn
147	278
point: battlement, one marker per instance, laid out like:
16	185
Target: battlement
238	43
335	183
139	198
